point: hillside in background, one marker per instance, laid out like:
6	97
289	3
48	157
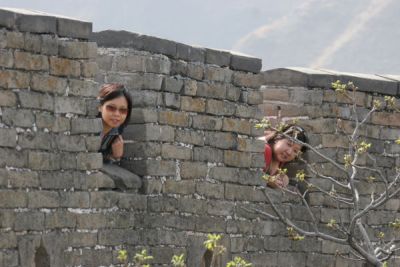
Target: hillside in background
354	36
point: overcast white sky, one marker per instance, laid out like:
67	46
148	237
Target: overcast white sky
347	35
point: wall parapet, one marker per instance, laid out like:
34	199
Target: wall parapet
124	39
322	78
40	22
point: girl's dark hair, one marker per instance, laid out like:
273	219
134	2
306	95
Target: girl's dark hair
293	131
110	91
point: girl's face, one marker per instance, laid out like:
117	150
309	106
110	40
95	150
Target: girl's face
285	150
114	112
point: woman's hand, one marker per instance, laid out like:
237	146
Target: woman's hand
118	147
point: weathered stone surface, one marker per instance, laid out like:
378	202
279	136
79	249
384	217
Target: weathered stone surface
217	57
245	63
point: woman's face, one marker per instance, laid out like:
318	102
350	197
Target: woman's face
285	150
114	112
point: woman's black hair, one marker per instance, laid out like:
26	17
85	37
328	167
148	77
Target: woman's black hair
111	91
293	131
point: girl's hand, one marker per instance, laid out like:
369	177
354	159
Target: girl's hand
118	147
281	180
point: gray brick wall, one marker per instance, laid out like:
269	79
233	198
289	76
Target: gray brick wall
191	139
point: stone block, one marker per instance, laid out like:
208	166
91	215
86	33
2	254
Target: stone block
83	88
89	69
240	192
73	28
81	239
172	84
6	58
176	152
11	79
162	204
212	73
92	143
189	87
36	140
146	98
54	123
15	40
302	77
89	161
8	240
212	90
9	258
157	64
13	158
220	108
253	97
48	84
193	206
8	99
189	137
250	145
8	137
43	199
245	63
132	201
32	42
49	45
130	63
104	199
159	46
290	259
19	179
152	167
193	104
85	126
75	105
143	149
195	71
193	170
250	80
250	177
58	180
79	200
272	93
386	118
220	140
13	199
28	61
70	143
8	18
190	53
213	191
237	159
172	100
237	126
149	133
143	115
208	154
233	93
207	123
225	174
29	220
217	57
77	50
91	220
248	112
210	224
184	187
174	118
36	100
43	161
64	67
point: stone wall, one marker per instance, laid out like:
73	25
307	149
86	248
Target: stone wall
191	140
